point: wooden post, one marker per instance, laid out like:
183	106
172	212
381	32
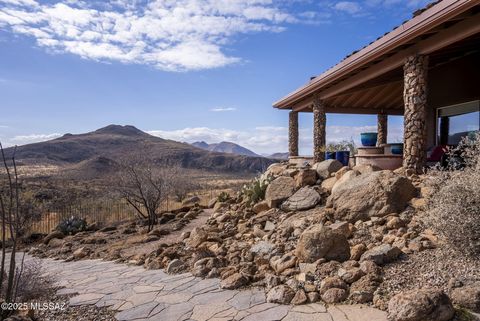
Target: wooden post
415	100
319	129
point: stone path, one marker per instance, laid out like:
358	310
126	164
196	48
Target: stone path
139	294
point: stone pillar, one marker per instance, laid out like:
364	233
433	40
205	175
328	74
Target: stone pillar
382	128
415	100
319	130
293	133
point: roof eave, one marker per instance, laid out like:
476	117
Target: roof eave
430	18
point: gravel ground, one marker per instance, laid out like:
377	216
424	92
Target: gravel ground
74	313
441	267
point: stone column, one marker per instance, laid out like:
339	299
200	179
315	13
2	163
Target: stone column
415	100
293	133
382	128
319	130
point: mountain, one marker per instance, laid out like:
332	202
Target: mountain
278	156
226	147
94	152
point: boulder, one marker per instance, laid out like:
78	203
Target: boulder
281	294
299	298
371	195
320	241
420	305
53	235
327	167
344	179
219	206
191	201
332	282
381	254
212	202
334	295
304	199
234	281
279	190
366	168
174	266
55	243
285	262
328	184
341	171
356	251
197	237
260	207
81	253
305	177
467	297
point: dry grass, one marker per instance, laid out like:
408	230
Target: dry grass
454	207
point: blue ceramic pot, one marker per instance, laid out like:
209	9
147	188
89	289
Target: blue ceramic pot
343	157
397	149
329	155
368	139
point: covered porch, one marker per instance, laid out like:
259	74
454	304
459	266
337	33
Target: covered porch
427	70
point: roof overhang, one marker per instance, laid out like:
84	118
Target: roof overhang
437	27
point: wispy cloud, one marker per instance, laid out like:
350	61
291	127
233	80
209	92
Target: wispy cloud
32	138
269	139
223	109
348	7
169	35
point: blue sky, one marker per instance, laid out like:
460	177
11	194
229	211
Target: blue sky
186	70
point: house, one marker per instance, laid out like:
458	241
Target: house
427	69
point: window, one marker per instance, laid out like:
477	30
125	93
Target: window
456	122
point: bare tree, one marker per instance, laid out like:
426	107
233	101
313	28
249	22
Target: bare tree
182	185
13	221
145	186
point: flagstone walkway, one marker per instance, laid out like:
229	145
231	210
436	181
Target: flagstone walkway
139	294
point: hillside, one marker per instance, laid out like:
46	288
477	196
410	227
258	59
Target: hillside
226	147
96	151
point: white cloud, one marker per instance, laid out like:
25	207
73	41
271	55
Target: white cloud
169	35
270	139
222	109
348	7
32	138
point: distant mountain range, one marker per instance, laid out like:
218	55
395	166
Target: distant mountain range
94	153
226	147
283	156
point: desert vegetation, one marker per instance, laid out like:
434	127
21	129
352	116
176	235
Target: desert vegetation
454	206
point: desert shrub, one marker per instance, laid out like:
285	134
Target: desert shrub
72	225
33	282
223	197
454	205
344	145
254	191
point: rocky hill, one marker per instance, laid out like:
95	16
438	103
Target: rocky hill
96	151
226	147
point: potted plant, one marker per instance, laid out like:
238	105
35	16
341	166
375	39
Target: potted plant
369	139
343	150
330	151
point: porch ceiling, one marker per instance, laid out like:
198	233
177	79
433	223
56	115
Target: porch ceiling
362	84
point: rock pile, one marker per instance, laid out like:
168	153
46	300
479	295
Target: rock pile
322	233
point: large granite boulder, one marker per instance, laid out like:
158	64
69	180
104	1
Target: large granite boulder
304	199
420	305
381	254
320	241
327	167
467	297
279	190
372	194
